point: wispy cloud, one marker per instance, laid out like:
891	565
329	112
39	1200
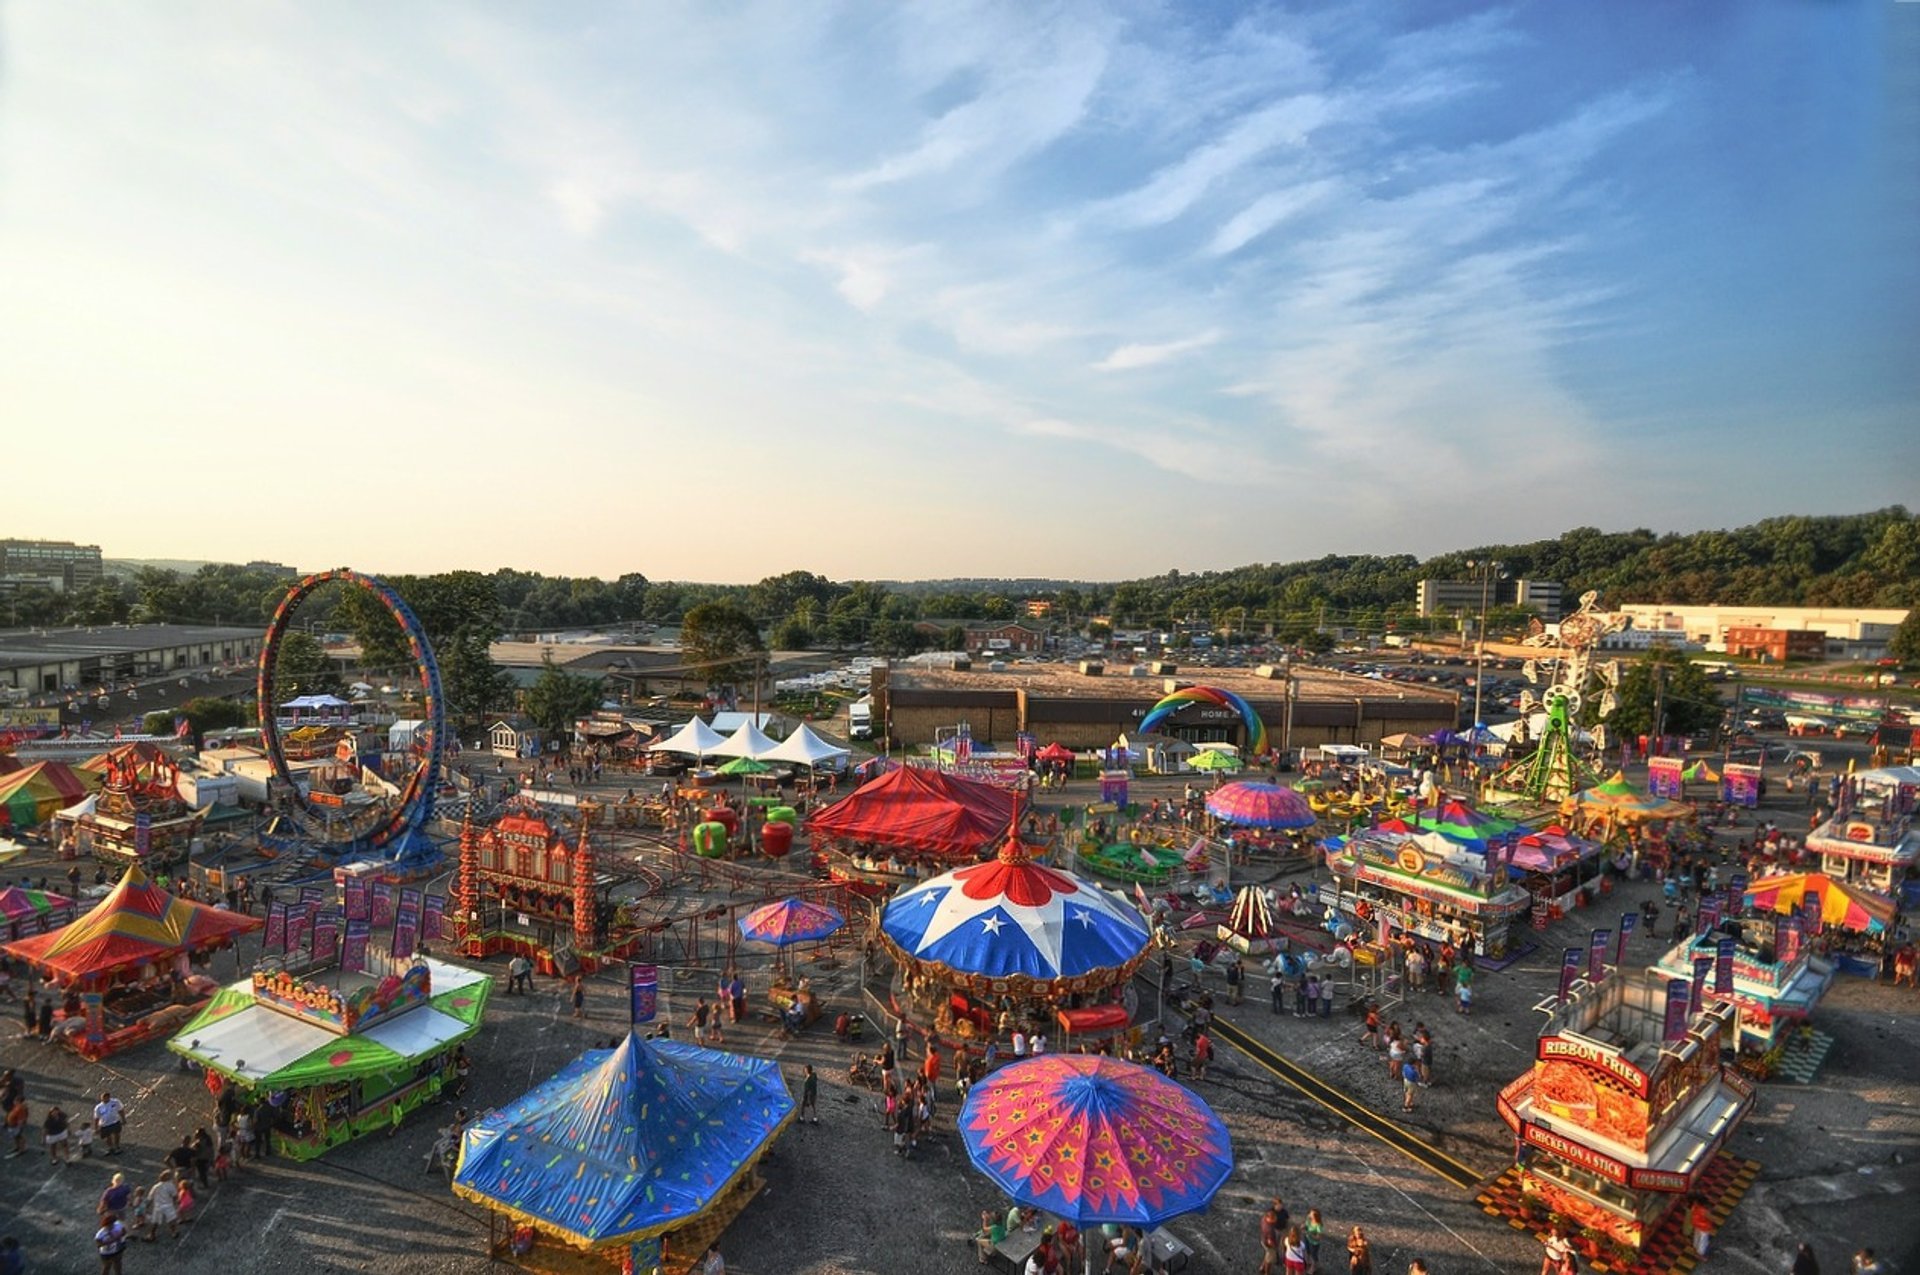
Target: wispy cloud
1128	357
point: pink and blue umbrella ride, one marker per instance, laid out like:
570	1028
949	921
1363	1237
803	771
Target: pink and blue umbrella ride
1249	804
791	921
1093	1139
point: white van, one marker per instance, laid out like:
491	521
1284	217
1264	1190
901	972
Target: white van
860	719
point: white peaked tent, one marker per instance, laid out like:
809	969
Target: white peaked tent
804	748
695	739
748	741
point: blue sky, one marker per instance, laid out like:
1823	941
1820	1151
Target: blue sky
715	291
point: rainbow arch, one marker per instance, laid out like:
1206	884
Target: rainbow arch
1256	729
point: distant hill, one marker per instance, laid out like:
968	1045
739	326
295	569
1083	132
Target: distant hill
133	566
1025	586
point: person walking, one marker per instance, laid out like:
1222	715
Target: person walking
54	1127
1316	1231
1236	978
1277	988
1293	1252
1409	1081
1270	1237
1804	1262
110	1241
810	1096
1700	1218
579	996
698	1020
1558	1258
1359	1253
17	1117
205	1151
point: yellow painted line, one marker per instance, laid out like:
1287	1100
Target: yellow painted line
1356	1113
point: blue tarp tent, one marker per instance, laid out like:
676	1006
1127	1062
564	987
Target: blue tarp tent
625	1143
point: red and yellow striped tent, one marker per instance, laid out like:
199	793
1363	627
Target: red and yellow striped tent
137	924
30	795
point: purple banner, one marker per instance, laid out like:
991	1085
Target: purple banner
353	955
1675	1025
1627	921
1708	917
1723	968
312	894
1569	970
276	939
358	907
1810	918
326	942
406	923
297	918
644	986
1786	939
1697	997
382	908
431	916
1597	955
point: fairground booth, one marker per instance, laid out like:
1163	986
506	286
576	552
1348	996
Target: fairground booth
1773	983
1009	944
634	1158
339	1053
25	912
137	816
1871	840
524	887
33	794
1425	885
1852	925
1624	1113
125	970
907	825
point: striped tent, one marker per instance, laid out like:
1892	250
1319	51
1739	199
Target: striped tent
33	793
137	924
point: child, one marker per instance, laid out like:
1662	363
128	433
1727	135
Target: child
223	1160
142	1215
83	1138
243	1133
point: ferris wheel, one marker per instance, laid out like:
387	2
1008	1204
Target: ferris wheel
391	827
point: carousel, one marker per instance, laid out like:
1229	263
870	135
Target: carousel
1009	944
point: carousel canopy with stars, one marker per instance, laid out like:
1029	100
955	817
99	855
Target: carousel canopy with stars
1012	919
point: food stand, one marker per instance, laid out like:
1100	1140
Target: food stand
1777	980
1624	1110
347	1053
126	967
1426	886
1871	840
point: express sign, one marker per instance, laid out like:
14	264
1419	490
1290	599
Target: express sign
1594	1056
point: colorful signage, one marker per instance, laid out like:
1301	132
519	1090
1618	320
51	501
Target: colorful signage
1575	1154
1696	994
1595	1057
1675	1026
1723	967
353	953
1597	955
276	936
1569	970
1740	784
358	905
1627	922
644	992
432	915
1665	777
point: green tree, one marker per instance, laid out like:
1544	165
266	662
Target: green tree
557	699
1688	702
473	684
722	640
895	639
792	634
203	714
304	668
1905	643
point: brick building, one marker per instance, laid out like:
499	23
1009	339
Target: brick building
1777	645
989	637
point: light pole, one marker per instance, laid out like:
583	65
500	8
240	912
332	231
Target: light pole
1488	571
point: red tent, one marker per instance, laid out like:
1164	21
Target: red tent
135	925
915	809
1055	752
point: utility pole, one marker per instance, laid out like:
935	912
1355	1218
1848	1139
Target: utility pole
1659	700
1487	571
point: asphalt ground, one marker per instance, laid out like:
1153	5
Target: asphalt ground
1838	1154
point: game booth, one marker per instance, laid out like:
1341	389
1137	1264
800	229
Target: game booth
1623	1115
523	887
136	817
1424	885
126	968
338	1053
634	1158
1871	840
1852	925
1010	943
1776	980
908	825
